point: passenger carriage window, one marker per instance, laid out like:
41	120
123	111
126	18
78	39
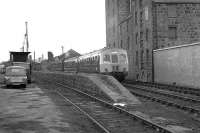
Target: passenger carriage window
106	58
122	58
114	58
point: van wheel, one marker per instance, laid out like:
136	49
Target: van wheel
24	86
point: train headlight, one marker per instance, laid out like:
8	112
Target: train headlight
24	78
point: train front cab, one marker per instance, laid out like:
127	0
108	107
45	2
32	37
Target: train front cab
114	62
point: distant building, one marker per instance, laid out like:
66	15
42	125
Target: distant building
50	56
69	54
19	56
30	58
139	26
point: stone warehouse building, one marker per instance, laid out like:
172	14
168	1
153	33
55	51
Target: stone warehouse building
140	26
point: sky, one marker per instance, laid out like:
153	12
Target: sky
74	24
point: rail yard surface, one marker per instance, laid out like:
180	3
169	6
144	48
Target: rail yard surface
35	110
51	105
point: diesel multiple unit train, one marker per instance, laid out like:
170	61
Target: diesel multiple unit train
111	61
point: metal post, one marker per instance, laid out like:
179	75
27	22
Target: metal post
26	36
34	56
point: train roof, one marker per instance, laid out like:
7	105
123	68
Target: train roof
15	67
97	52
177	1
101	50
94	53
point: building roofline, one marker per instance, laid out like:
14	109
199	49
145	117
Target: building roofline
19	52
177	1
179	46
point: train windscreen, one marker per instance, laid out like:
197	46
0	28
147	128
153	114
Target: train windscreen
106	58
122	59
114	58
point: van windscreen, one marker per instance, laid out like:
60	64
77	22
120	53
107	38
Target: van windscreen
16	71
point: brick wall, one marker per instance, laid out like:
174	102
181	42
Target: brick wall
184	19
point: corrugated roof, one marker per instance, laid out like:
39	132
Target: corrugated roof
177	1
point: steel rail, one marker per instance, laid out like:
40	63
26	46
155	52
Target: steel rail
162	93
134	116
185	90
85	113
186	108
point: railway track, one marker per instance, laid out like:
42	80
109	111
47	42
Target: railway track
179	89
182	102
108	118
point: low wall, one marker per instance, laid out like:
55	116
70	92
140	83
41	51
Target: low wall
72	80
111	90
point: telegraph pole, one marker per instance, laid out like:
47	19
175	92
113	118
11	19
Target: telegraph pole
34	56
26	37
62	49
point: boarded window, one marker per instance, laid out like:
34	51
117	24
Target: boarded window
172	32
172	11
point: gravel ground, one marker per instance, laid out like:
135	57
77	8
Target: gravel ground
166	116
38	110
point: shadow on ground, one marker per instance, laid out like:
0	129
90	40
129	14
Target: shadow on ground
18	87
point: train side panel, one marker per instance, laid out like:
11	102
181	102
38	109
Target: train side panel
178	65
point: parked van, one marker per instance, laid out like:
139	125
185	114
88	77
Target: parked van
15	75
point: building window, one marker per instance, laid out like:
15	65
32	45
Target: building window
136	38
113	8
130	5
136	18
128	41
141	20
141	39
140	3
172	32
147	34
137	59
141	59
147	57
137	77
120	29
121	44
127	26
172	11
114	44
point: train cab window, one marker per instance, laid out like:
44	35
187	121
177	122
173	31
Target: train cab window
106	58
122	59
114	58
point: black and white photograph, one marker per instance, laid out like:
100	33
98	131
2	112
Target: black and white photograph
100	66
